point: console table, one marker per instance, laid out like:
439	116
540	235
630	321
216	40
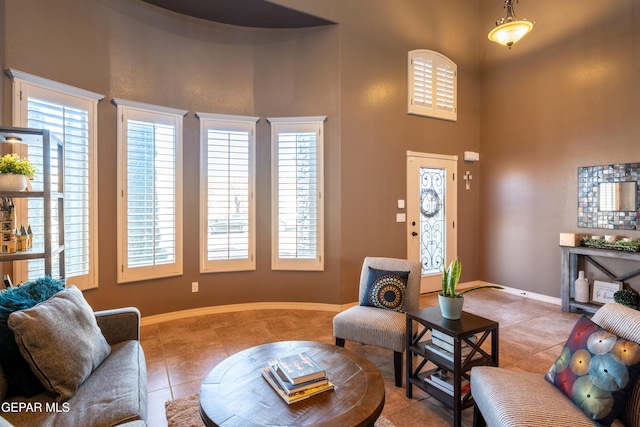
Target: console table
569	264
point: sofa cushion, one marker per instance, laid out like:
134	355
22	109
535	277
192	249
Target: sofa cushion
114	394
385	289
20	380
60	340
363	324
596	370
509	398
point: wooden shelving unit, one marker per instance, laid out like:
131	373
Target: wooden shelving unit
52	197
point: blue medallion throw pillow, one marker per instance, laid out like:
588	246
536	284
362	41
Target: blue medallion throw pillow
386	289
20	379
596	370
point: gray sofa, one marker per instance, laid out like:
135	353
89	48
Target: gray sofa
509	398
114	394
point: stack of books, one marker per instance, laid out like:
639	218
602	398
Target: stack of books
442	344
443	380
296	377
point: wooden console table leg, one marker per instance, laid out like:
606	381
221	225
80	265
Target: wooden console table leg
565	287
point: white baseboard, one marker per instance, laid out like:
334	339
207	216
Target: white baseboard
336	308
513	291
201	311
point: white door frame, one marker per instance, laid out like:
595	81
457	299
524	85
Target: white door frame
416	160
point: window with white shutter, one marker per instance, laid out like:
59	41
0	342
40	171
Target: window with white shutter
70	114
432	85
149	190
227	187
297	179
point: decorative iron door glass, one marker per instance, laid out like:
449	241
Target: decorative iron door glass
432	219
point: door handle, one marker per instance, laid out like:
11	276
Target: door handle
413	233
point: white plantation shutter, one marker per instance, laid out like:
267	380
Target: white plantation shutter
69	114
445	88
150	190
297	188
432	85
422	78
227	200
71	126
151	210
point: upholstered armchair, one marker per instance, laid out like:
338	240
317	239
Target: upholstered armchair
383	325
511	398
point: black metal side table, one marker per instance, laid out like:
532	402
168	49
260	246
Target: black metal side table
460	332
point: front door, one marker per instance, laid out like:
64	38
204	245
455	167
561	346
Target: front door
431	214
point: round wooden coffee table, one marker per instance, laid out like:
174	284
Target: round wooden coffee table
234	393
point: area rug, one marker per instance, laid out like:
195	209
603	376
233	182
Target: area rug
184	412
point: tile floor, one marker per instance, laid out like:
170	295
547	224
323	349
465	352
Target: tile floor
180	353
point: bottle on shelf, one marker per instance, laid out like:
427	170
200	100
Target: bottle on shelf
581	288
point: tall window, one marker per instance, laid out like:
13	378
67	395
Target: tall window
150	191
432	85
297	179
227	202
70	114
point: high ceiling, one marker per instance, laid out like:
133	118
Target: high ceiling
246	13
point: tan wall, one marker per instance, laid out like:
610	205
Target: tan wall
576	103
131	50
354	72
376	130
566	96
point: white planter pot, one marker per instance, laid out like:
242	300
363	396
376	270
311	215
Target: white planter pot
451	308
12	182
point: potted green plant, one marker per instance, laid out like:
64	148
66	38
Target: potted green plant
627	297
14	172
450	299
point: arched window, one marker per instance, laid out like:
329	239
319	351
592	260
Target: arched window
432	85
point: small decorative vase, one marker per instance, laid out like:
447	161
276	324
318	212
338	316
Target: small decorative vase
451	308
12	182
581	288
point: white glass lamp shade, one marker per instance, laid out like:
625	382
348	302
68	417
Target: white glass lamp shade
511	32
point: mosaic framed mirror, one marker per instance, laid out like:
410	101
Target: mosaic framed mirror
609	196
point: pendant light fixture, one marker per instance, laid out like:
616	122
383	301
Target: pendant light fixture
510	30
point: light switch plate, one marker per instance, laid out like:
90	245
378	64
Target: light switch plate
400	217
401	204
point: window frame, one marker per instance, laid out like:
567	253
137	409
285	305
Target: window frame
157	115
25	85
433	109
223	122
300	125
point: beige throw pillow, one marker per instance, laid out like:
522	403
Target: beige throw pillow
61	341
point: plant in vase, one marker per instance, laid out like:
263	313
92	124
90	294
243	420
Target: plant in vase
450	299
14	172
627	297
